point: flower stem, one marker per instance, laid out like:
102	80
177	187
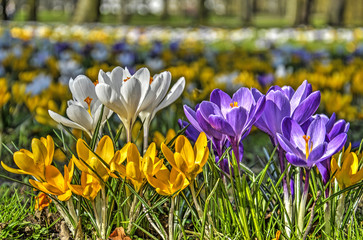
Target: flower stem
197	206
303	203
146	133
287	200
171	218
340	211
131	216
104	214
65	217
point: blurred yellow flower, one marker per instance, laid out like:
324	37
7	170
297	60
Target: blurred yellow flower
160	138
4	93
42	201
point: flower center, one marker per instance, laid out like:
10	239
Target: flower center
96	82
125	80
307	150
151	80
234	104
88	100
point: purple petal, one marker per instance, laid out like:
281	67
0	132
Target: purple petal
338	127
221	125
301	93
295	160
276	109
208	128
335	145
316	154
256	94
244	98
237	118
324	170
294	133
288	91
221	99
191	132
256	112
306	108
192	118
330	123
316	132
288	147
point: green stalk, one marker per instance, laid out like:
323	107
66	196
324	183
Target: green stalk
171	218
253	212
131	216
340	211
303	203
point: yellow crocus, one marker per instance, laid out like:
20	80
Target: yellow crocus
42	201
134	169
348	174
104	150
165	182
89	188
4	93
55	183
34	163
187	159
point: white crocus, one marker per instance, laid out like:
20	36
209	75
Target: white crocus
84	110
159	87
125	94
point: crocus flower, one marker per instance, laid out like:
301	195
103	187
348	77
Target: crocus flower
226	116
159	86
348	174
34	163
306	149
333	129
89	188
42	201
166	182
85	109
125	94
134	169
285	102
55	183
186	159
104	150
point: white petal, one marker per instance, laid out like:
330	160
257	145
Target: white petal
110	99
83	87
117	78
66	122
103	77
131	93
173	95
143	75
163	82
80	115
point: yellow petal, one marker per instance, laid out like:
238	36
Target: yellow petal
25	163
49	144
183	146
357	177
39	186
133	155
200	149
13	170
54	177
132	170
80	165
105	149
82	150
65	197
40	153
181	164
168	155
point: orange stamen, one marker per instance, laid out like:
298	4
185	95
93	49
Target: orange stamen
96	82
234	104
151	80
88	100
126	79
307	138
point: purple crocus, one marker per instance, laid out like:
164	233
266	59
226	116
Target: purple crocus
307	148
224	116
333	129
285	102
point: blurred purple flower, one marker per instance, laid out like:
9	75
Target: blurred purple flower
266	79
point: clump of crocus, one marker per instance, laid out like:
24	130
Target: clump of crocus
226	117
